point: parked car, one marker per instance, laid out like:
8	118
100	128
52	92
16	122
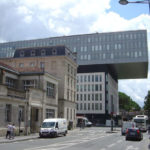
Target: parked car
53	127
134	133
84	120
126	125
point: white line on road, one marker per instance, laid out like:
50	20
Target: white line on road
111	145
130	147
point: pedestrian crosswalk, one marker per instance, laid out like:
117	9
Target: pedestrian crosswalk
84	137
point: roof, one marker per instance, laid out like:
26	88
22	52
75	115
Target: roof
8	68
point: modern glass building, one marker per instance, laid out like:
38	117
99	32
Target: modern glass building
113	56
126	51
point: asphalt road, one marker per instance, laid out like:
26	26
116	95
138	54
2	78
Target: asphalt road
94	138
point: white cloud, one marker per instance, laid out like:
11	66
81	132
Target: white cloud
63	30
28	19
89	7
113	22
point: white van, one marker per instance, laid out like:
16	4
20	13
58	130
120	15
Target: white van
53	127
126	125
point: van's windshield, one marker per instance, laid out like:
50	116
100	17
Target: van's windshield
48	124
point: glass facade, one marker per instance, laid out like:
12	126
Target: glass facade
101	48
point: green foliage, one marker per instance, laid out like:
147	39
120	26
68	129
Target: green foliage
147	103
127	104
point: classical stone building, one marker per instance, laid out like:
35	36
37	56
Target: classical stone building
58	61
26	98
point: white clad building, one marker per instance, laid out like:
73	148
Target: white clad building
97	93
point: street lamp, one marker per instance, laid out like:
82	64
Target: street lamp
125	2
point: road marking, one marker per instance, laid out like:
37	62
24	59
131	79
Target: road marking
111	145
132	148
119	141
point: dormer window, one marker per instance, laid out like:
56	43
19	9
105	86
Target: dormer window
43	52
22	54
33	53
54	52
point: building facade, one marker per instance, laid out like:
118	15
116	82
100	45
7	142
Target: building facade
97	93
115	55
58	61
26	98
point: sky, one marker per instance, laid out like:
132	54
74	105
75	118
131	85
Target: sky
34	19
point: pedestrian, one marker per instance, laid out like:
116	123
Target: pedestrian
13	131
8	133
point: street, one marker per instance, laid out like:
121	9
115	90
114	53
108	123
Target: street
94	138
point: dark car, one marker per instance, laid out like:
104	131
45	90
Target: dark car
134	134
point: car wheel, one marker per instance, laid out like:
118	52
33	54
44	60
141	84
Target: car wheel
55	135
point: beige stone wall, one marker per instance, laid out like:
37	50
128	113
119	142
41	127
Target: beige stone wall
65	70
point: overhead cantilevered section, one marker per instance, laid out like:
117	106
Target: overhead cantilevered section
131	70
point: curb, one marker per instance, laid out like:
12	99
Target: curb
16	140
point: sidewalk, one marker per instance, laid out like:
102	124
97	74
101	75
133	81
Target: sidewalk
26	137
19	138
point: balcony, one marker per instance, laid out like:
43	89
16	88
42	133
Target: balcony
6	91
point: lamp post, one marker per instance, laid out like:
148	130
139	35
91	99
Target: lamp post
125	2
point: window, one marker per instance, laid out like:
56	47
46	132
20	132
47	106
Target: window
10	82
42	65
85	88
67	113
96	106
32	64
81	88
81	106
92	106
89	78
92	78
81	97
77	106
100	87
92	87
77	97
84	106
81	78
89	87
93	97
8	112
96	87
50	113
29	83
85	97
50	90
88	106
89	97
22	54
33	53
21	113
96	97
100	96
96	78
21	65
89	57
43	52
100	106
54	52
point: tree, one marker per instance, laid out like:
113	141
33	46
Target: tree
147	103
127	104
